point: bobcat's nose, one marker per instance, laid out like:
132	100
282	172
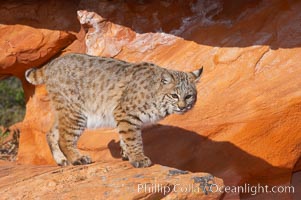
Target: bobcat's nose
181	105
181	108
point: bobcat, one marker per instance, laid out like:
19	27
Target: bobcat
89	92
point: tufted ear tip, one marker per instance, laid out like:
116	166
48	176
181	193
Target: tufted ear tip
197	74
166	78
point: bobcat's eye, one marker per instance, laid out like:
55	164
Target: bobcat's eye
188	96
175	96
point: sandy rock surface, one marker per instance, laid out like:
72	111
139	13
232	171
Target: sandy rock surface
113	180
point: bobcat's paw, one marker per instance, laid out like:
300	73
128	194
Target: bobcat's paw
124	156
84	160
141	162
63	162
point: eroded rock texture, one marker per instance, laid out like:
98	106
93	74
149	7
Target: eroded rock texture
104	181
245	126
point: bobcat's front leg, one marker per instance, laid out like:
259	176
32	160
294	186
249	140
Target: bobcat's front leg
133	147
129	127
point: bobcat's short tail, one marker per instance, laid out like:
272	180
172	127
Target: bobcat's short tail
35	76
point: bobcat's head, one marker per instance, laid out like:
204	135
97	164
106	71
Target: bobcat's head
180	92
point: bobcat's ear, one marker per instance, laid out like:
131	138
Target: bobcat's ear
166	78
196	75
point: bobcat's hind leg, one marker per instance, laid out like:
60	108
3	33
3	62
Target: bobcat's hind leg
71	126
53	142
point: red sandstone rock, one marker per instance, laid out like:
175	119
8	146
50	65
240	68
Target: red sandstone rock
246	124
114	180
23	47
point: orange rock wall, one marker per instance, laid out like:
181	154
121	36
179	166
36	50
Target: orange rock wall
246	124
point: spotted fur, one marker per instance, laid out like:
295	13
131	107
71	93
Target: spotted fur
89	92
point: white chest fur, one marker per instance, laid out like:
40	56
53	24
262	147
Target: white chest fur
102	120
